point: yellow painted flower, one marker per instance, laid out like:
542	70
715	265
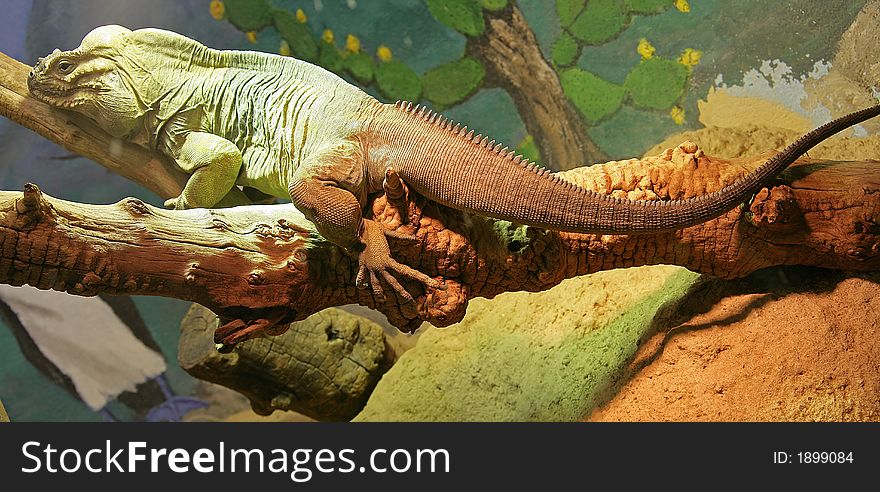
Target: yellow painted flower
646	49
252	36
327	36
352	43
677	115
284	48
683	6
690	57
217	9
384	53
301	16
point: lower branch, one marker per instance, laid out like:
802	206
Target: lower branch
261	267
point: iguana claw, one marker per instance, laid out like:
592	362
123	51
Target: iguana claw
376	260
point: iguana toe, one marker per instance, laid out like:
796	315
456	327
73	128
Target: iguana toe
375	261
176	203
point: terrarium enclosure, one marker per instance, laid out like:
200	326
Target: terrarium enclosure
109	301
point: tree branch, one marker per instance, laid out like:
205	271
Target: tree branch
260	267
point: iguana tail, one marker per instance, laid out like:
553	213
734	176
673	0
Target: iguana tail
470	173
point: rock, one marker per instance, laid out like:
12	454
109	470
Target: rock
3	416
550	355
324	367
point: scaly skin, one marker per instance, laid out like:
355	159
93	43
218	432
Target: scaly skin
288	128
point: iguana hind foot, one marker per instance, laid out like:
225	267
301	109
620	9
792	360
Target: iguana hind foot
375	261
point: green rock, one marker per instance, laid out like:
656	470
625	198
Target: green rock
493	4
601	21
594	97
546	356
565	50
297	35
465	16
248	15
330	58
656	83
648	6
568	10
453	82
360	65
398	82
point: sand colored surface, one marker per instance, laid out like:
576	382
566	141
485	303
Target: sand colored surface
3	416
765	354
723	110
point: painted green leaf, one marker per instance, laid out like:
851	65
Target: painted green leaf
330	58
565	50
494	4
648	6
568	10
656	83
398	82
248	15
453	82
529	149
594	97
601	21
465	16
297	35
360	65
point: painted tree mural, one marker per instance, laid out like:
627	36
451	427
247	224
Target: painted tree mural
557	99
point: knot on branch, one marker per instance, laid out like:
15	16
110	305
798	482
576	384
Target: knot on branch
775	207
31	207
865	243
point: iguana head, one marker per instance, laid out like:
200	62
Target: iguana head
96	79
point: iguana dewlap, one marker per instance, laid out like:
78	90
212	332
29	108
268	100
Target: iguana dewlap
289	128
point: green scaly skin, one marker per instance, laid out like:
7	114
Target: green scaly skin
288	128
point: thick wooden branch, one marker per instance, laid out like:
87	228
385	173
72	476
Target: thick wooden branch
261	267
513	61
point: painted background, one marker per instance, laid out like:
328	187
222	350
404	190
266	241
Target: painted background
750	47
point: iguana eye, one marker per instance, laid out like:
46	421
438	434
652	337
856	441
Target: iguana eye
65	67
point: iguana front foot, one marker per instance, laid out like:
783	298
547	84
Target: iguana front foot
375	260
177	203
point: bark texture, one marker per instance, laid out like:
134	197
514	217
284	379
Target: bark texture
325	366
261	267
513	61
